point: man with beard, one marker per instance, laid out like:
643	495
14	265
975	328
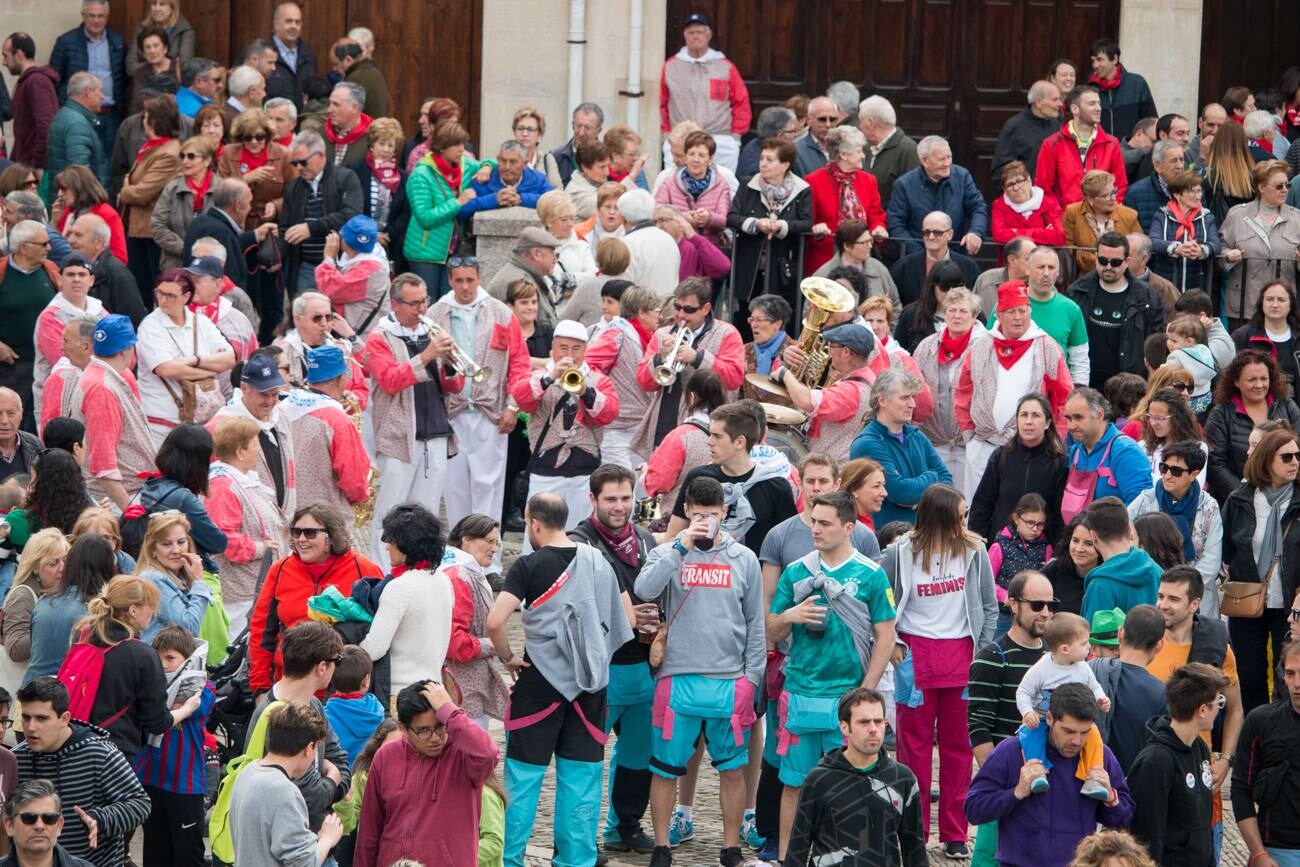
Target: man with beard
631	689
995	674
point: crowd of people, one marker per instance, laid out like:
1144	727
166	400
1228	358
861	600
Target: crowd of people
264	420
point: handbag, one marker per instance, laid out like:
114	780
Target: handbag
199	400
1245	598
270	253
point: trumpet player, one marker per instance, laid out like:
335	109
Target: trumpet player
411	371
483	413
617	353
835	412
568	401
708	344
315	324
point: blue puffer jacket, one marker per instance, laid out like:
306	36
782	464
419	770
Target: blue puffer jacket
911	466
1146	197
915	195
1184	273
1128	469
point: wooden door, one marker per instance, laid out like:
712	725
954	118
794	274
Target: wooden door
957	68
1248	43
424	47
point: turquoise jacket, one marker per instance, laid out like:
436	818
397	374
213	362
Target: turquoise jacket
911	466
434	209
73	139
1125	580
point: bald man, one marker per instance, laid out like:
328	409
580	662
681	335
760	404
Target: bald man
18	449
810	151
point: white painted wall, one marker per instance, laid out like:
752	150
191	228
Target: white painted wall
1161	40
44	21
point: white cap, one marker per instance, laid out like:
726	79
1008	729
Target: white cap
571	329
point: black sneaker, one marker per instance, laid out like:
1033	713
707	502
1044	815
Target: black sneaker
730	857
496	582
662	856
956	849
638	842
515	523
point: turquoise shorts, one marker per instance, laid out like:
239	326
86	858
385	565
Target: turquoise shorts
689	706
809	728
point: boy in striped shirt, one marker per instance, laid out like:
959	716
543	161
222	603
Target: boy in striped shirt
173	771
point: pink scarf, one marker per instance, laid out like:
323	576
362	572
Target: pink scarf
850	205
622	543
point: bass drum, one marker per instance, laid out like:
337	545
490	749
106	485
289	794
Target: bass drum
789	443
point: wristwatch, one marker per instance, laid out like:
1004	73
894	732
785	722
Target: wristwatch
1227	757
679	547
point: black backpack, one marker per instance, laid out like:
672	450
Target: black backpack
135	521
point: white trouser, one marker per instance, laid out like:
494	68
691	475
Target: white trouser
727	154
978	452
576	492
238	613
615	448
955	459
476	475
417	481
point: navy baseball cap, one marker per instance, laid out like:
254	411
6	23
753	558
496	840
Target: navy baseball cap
857	338
262	374
206	266
697	18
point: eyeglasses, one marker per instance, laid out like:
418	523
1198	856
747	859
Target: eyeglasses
1295	614
1015	182
299	163
1109	194
426	733
308	533
1176	472
46	243
257	136
934	233
46	818
6	723
1109	263
462	262
688	309
1279	186
191	156
760	320
1037	525
1157	418
166	296
1037	605
418	302
527	129
1287	457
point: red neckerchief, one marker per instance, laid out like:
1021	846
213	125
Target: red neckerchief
286	141
1113	84
866	519
1292	116
150	144
951	348
850	206
357	131
450	173
221	150
317	570
349	696
1010	351
622	542
402	568
208	310
1263	144
641	332
617	176
1186	226
1241	121
385	171
200	190
248	161
883	341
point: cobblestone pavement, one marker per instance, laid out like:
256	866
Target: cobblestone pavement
703	849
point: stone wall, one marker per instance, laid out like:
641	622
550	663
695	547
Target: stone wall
1161	40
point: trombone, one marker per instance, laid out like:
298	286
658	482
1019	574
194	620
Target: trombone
665	373
459	359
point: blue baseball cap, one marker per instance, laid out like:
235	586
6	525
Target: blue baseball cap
360	233
325	363
262	374
112	335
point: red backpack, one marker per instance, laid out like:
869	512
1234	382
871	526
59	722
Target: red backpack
81	672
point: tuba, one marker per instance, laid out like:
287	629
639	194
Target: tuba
825	297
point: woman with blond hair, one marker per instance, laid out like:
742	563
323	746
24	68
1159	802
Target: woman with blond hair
243	506
946	607
39	572
382	178
131	700
183	199
168	560
573	259
1097	213
103	522
1111	849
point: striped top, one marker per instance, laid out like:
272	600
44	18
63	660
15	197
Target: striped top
177	764
994	675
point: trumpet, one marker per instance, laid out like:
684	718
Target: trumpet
474	371
573	381
665	373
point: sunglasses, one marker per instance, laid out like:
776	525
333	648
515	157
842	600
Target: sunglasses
1221	701
308	533
688	309
1287	457
829	118
1109	263
1295	614
934	233
191	156
337	660
47	818
1179	386
257	136
462	262
1176	472
299	163
1037	605
30	184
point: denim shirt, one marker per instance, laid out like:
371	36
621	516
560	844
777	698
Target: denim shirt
97	61
53	617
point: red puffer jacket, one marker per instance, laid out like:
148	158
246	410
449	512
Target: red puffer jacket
1060	171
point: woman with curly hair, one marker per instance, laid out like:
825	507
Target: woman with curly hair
90	564
57	494
1251	390
1111	849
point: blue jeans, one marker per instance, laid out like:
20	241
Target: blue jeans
305	279
434	275
1284	857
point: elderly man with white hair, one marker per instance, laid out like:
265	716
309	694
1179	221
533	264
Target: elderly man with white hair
1148	195
699	83
247	90
938	185
315	324
284	115
1259	126
656	258
346	125
319	201
115	286
21	205
890	153
1022	135
28	281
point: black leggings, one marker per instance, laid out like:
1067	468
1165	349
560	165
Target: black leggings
173	832
1250	642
